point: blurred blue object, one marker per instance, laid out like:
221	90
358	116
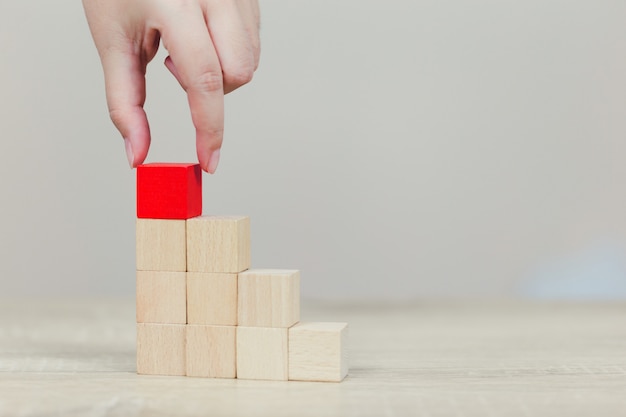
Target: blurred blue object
597	273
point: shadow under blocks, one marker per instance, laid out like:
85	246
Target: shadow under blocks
201	310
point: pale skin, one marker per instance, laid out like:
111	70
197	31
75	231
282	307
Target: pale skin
213	48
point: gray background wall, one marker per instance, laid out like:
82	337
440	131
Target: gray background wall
396	149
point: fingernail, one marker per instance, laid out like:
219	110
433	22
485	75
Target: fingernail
129	153
213	161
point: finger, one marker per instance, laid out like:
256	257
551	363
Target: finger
232	43
194	59
125	84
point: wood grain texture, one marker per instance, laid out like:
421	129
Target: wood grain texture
269	298
262	353
76	358
161	349
212	298
161	245
318	351
218	244
211	351
161	297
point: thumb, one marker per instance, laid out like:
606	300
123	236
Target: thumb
125	82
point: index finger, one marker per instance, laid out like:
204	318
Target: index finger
187	39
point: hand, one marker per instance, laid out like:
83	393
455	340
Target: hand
213	49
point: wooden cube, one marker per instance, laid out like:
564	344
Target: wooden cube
262	353
161	349
269	298
318	352
161	245
161	297
211	351
212	298
218	244
169	191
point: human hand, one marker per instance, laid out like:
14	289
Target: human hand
213	48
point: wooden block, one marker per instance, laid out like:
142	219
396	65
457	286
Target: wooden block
212	298
269	298
161	297
218	244
160	349
318	352
211	351
262	353
169	191
161	245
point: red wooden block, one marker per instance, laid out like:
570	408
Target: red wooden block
169	191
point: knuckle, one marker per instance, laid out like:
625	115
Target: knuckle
239	76
211	132
208	81
212	135
215	134
117	117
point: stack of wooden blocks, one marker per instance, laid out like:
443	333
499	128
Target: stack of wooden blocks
201	311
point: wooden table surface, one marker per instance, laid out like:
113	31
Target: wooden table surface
414	359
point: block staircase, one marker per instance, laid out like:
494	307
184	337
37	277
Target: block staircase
201	310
